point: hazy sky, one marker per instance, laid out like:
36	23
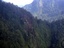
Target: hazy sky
19	2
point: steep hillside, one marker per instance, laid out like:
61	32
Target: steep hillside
57	34
19	29
49	10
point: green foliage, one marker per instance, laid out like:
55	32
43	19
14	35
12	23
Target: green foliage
19	29
57	33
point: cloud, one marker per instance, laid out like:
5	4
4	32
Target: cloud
19	2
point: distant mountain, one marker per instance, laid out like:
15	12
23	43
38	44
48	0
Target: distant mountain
47	9
19	29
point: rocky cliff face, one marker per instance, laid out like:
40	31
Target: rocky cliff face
47	9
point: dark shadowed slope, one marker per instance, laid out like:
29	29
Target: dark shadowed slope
19	29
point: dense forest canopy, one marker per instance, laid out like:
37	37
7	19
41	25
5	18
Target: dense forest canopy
19	29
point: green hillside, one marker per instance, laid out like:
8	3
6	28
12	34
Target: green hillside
19	29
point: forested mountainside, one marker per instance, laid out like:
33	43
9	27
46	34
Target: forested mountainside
57	34
50	10
19	29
